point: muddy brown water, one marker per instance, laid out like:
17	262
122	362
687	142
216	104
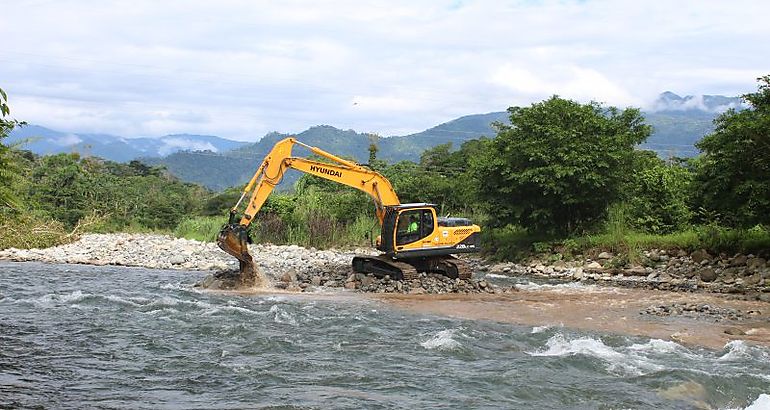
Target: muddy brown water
602	309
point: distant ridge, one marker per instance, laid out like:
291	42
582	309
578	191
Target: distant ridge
678	123
45	141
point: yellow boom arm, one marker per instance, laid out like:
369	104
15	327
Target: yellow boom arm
275	164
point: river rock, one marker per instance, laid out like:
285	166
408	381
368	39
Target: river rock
752	280
700	255
605	255
594	265
636	271
734	331
577	274
756	263
289	276
739	260
707	275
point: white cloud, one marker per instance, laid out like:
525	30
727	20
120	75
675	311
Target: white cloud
177	143
67	140
241	68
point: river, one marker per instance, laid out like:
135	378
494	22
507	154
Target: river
75	336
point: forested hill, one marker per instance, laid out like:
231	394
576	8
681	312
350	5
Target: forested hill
678	122
222	170
217	163
45	141
350	143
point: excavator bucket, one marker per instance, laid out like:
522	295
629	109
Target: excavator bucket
233	238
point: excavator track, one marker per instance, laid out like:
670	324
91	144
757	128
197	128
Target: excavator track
449	266
408	269
463	270
384	265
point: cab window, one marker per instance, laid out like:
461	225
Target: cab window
414	225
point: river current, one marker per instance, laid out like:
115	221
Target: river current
76	336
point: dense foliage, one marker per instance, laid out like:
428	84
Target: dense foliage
733	176
559	164
8	169
112	196
656	194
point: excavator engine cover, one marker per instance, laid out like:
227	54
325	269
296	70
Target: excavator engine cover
233	238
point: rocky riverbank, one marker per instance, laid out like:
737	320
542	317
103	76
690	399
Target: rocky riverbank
746	275
299	269
288	267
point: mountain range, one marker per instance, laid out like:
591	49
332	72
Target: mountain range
45	141
678	123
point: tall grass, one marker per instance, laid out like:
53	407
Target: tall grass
318	231
201	228
712	238
31	230
514	243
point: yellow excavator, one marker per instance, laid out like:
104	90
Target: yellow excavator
413	237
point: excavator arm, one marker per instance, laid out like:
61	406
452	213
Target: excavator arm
233	238
340	171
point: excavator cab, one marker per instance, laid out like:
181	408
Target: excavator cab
406	224
415	230
414	239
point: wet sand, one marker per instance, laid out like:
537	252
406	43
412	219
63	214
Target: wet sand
600	309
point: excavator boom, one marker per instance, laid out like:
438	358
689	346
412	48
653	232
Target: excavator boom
233	238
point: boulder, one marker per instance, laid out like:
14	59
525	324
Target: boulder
289	276
635	271
752	280
739	260
577	274
604	255
756	263
594	265
707	275
734	331
700	255
367	280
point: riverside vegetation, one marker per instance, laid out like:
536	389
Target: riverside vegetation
563	181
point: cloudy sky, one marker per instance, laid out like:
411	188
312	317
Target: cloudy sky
240	69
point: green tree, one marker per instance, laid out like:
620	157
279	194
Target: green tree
657	194
733	176
8	169
559	164
60	187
